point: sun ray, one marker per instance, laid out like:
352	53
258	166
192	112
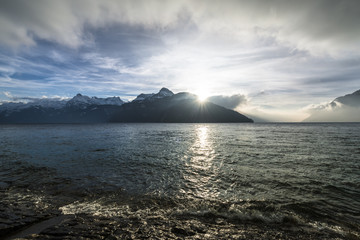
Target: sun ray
202	95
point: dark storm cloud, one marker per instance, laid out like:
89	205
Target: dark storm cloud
318	26
23	22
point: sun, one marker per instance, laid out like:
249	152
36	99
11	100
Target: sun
202	95
202	98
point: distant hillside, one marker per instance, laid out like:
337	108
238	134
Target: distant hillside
342	109
352	100
79	109
164	106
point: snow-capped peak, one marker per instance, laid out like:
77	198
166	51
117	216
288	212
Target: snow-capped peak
110	101
81	100
164	92
58	103
144	96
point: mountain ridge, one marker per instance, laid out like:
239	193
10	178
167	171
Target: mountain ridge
164	106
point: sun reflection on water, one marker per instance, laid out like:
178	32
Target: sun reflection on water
202	134
201	171
202	149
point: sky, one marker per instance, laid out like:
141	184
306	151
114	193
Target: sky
273	59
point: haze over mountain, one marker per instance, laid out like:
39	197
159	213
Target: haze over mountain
164	106
342	109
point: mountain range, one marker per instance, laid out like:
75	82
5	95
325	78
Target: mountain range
164	106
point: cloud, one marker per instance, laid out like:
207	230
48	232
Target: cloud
259	114
342	109
317	26
25	99
35	99
7	94
23	22
333	113
230	102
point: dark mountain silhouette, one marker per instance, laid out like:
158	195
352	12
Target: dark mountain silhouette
164	106
181	108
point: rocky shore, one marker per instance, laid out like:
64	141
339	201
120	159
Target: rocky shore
26	215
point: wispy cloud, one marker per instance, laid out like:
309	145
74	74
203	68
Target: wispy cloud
332	112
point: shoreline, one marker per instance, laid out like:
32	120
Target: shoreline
95	227
44	220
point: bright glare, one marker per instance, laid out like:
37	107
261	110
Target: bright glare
202	96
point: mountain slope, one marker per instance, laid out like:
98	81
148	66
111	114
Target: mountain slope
178	108
352	100
164	92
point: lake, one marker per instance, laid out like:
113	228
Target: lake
195	181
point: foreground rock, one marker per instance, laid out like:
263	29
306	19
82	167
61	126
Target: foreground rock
27	219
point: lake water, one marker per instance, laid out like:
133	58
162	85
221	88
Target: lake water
185	180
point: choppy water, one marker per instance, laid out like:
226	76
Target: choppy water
303	175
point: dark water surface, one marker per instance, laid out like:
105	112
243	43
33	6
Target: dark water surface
195	181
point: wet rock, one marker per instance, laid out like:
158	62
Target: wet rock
198	229
182	232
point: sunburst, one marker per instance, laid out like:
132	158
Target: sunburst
202	95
